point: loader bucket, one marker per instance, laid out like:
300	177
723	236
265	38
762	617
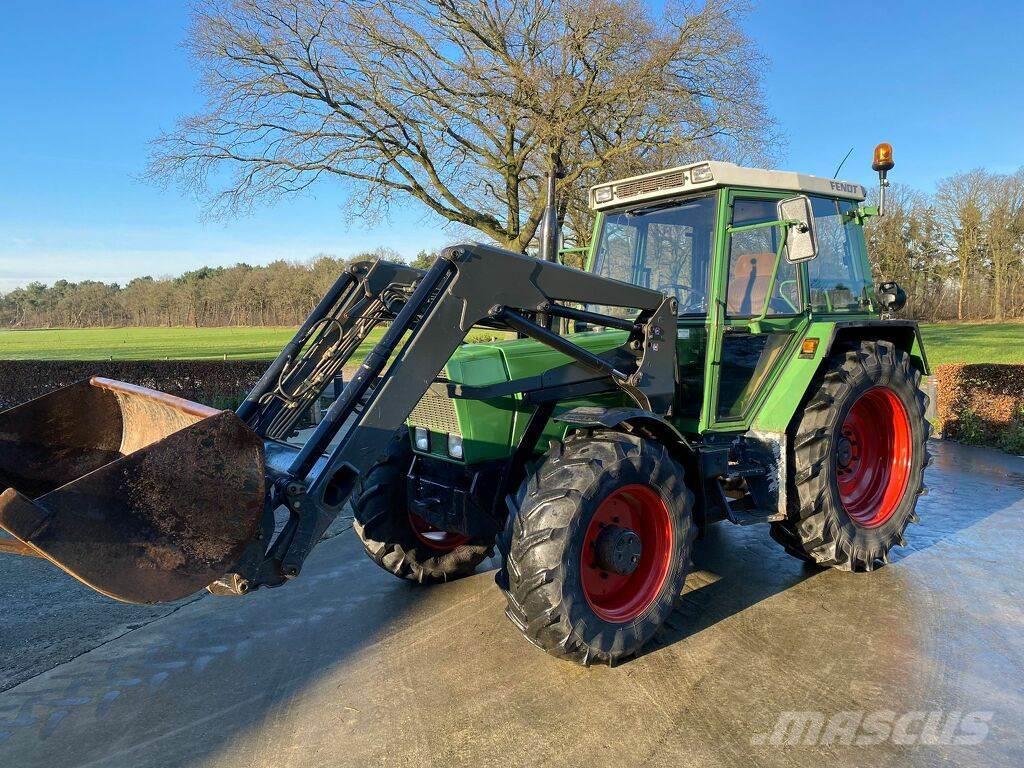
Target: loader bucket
142	496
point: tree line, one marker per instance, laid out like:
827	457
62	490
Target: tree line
958	251
280	293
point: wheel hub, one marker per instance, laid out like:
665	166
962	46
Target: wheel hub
435	538
627	550
873	457
844	452
618	550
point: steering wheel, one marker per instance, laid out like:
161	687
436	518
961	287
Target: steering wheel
785	298
689	290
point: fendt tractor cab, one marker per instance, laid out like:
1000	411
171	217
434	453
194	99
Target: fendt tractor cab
723	356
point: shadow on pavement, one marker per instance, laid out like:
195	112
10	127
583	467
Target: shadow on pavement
183	687
346	648
736	568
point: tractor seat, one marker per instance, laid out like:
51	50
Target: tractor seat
748	283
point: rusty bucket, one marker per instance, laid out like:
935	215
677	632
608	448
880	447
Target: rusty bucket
141	495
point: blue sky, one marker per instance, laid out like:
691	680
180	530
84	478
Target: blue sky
86	84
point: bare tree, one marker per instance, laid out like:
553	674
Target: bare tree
961	205
904	246
460	104
1004	230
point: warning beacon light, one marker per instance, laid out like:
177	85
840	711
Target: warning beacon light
883	163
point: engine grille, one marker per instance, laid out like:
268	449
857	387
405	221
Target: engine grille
436	413
650	184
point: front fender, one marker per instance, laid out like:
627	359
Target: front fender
649	424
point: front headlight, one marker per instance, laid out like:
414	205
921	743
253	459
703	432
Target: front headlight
421	438
455	446
602	194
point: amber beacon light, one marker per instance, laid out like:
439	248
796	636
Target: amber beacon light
883	163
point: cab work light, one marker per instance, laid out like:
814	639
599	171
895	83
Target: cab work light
701	173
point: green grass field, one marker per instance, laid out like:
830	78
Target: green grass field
973	342
144	343
944	342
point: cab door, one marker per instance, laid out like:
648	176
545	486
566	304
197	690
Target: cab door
758	312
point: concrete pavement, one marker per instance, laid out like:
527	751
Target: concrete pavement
349	666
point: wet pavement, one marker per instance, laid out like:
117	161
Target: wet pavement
769	663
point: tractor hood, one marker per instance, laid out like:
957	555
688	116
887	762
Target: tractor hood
489	428
526	357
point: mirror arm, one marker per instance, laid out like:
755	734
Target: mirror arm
785	223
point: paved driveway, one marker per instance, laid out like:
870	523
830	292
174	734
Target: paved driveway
348	666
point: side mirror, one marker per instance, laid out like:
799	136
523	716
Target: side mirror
891	297
801	241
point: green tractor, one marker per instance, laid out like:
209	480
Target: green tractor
723	356
795	406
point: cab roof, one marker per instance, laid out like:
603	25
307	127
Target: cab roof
713	174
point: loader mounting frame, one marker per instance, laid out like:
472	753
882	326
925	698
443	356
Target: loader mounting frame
429	314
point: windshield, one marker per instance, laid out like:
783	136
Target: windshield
666	247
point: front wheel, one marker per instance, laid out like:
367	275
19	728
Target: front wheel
597	550
400	541
856	460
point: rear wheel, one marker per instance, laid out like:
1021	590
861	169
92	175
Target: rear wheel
401	542
856	459
598	547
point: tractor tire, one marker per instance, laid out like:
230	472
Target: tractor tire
399	541
597	547
857	454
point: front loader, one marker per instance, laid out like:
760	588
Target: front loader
722	357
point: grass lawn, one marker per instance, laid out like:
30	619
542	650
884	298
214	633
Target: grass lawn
944	343
971	343
144	343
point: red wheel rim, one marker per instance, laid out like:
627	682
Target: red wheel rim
873	457
615	597
435	538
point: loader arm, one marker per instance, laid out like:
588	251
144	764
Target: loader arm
467	285
428	315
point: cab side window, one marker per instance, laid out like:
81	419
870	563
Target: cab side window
751	259
836	279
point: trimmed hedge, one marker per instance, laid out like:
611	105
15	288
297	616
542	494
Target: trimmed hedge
220	384
982	404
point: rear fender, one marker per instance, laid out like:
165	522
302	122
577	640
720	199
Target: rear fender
905	334
793	385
